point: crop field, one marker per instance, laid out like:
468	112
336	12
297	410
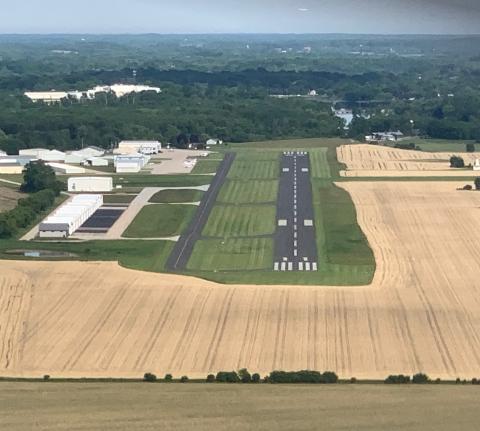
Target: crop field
176	196
419	313
160	220
374	160
212	407
245	192
232	254
235	221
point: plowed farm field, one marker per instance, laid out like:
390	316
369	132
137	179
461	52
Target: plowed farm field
421	312
365	160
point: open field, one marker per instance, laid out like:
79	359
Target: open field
364	160
441	145
206	166
233	254
419	314
147	180
216	407
234	221
160	220
253	169
8	198
176	196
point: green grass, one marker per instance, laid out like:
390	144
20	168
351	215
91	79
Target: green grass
248	192
441	145
319	163
219	407
235	221
16	178
206	166
147	180
251	169
141	255
234	254
160	220
118	199
344	255
177	196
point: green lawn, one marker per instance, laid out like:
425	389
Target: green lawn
441	145
206	166
252	169
319	163
118	199
248	192
177	196
344	255
233	254
142	255
147	180
234	221
160	220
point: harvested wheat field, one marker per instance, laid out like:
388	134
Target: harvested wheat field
422	312
365	160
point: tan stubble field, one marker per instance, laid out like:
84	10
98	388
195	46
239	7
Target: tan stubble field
420	314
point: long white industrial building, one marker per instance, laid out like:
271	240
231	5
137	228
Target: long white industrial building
90	184
70	216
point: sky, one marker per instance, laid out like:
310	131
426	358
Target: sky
241	16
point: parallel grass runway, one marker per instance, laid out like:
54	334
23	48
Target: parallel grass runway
421	313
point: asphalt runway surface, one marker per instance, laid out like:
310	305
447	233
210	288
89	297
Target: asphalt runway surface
295	239
183	249
102	220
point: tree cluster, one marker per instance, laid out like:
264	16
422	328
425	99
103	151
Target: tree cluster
25	212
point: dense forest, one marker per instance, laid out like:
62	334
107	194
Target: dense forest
222	87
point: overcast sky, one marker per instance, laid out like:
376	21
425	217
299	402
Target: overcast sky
240	16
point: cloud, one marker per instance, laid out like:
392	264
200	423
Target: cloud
303	9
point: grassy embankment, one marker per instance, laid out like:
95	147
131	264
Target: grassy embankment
141	406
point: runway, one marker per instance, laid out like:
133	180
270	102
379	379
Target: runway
295	240
183	249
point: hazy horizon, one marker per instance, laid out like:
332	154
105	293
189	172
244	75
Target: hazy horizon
411	17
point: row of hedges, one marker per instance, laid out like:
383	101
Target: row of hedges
304	376
25	212
243	376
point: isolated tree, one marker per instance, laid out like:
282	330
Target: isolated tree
210	378
456	162
39	176
470	148
149	377
184	379
477	183
255	378
168	377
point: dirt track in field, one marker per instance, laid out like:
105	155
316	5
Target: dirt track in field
420	314
365	160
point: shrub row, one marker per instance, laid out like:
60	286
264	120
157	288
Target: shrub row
243	376
25	212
